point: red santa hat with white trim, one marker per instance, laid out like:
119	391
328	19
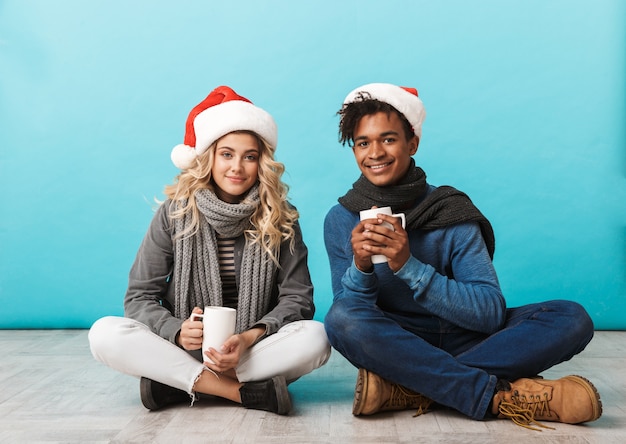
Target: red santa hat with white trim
221	112
402	98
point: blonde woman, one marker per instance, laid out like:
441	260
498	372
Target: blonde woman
225	236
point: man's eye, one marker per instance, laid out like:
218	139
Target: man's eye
389	140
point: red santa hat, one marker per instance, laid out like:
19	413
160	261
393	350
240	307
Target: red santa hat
403	99
223	111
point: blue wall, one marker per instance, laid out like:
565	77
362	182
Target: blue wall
526	113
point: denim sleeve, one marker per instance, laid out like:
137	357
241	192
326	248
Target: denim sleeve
338	226
471	297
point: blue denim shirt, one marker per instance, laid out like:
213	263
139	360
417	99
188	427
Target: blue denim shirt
449	277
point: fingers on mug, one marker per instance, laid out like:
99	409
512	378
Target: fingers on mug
218	324
373	213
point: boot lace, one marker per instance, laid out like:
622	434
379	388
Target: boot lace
401	397
523	410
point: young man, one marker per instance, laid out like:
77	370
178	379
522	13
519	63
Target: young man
431	324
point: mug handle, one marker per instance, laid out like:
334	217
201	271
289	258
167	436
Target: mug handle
193	316
401	216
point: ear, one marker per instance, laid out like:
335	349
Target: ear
413	145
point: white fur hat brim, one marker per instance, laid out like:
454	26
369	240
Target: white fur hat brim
219	120
410	105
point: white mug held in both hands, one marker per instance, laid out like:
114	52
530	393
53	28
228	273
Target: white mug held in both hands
218	324
373	214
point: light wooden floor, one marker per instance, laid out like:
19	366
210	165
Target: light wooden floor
52	390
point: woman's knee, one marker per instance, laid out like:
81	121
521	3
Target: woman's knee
319	341
106	335
312	339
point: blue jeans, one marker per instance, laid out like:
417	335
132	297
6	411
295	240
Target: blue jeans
454	367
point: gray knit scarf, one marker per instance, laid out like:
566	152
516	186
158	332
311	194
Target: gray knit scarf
196	265
443	207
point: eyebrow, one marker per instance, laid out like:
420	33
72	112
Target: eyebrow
226	147
385	134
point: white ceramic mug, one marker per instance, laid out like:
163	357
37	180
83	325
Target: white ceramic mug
373	214
218	324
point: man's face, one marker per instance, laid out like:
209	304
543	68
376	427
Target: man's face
381	150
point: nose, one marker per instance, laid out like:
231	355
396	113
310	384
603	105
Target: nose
375	150
236	164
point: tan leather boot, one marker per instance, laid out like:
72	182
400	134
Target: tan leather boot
374	394
572	400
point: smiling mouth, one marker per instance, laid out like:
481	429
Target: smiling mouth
379	166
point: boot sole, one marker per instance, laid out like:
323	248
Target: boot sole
592	391
145	392
282	395
360	392
147	389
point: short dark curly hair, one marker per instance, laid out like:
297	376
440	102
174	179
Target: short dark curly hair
364	105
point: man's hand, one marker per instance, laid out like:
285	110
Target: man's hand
362	256
370	237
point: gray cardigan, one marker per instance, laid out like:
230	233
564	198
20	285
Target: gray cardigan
150	296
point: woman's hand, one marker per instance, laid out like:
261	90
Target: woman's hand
230	352
190	336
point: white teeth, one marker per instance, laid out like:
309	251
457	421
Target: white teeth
376	167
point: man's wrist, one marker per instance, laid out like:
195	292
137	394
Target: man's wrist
369	270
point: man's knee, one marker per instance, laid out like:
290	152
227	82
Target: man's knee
344	321
581	321
335	319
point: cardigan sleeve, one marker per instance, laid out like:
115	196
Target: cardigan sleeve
294	290
150	277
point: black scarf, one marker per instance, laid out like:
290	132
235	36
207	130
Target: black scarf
443	207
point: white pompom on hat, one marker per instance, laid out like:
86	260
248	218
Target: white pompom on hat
402	98
221	112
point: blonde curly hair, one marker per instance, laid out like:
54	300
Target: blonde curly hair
274	218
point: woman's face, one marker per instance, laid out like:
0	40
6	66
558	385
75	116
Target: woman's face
236	166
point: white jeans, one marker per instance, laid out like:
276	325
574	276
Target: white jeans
129	346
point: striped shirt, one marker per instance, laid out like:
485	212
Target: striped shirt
226	257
